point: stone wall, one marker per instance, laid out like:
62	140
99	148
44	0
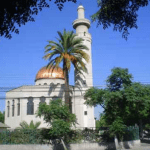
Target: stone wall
82	146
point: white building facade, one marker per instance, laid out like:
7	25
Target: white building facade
22	103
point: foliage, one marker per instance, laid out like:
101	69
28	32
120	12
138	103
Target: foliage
122	14
22	136
57	114
69	49
125	103
117	128
32	125
94	97
147	127
125	133
102	122
131	133
119	79
131	104
16	13
138	97
2	116
42	136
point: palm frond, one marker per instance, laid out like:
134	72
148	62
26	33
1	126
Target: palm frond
31	126
77	41
69	49
82	54
58	60
61	36
37	124
58	47
24	125
50	55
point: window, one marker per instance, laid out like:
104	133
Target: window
18	106
45	83
30	106
54	98
8	108
85	112
13	107
42	99
84	83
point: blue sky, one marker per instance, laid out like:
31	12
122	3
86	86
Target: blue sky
21	57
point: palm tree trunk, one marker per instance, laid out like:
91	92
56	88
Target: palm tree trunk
67	94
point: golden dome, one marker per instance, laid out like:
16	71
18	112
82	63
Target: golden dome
45	73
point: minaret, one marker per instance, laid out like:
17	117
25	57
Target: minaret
81	25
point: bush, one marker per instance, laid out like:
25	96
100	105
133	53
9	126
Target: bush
131	133
22	136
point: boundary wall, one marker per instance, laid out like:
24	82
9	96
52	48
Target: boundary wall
76	146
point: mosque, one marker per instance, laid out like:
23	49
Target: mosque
22	103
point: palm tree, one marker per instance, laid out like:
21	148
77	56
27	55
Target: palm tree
25	125
69	49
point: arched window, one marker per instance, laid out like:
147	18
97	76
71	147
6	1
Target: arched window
42	99
45	83
55	98
8	108
30	106
18	106
13	107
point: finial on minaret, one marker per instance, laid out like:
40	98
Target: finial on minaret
80	12
81	21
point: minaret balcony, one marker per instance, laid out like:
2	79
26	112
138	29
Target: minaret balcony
79	22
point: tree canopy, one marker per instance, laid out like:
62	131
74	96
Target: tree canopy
58	116
119	79
125	102
122	14
15	13
69	49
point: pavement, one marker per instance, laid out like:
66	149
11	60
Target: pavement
144	146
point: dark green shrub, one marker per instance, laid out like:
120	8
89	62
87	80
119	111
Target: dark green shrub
131	133
21	136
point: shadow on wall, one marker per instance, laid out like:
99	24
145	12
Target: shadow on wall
56	88
80	81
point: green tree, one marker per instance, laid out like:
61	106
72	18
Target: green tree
102	121
138	97
32	125
94	97
119	79
131	105
15	13
58	116
2	116
69	49
122	14
124	102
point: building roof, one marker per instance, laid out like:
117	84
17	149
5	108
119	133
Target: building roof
46	73
2	125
